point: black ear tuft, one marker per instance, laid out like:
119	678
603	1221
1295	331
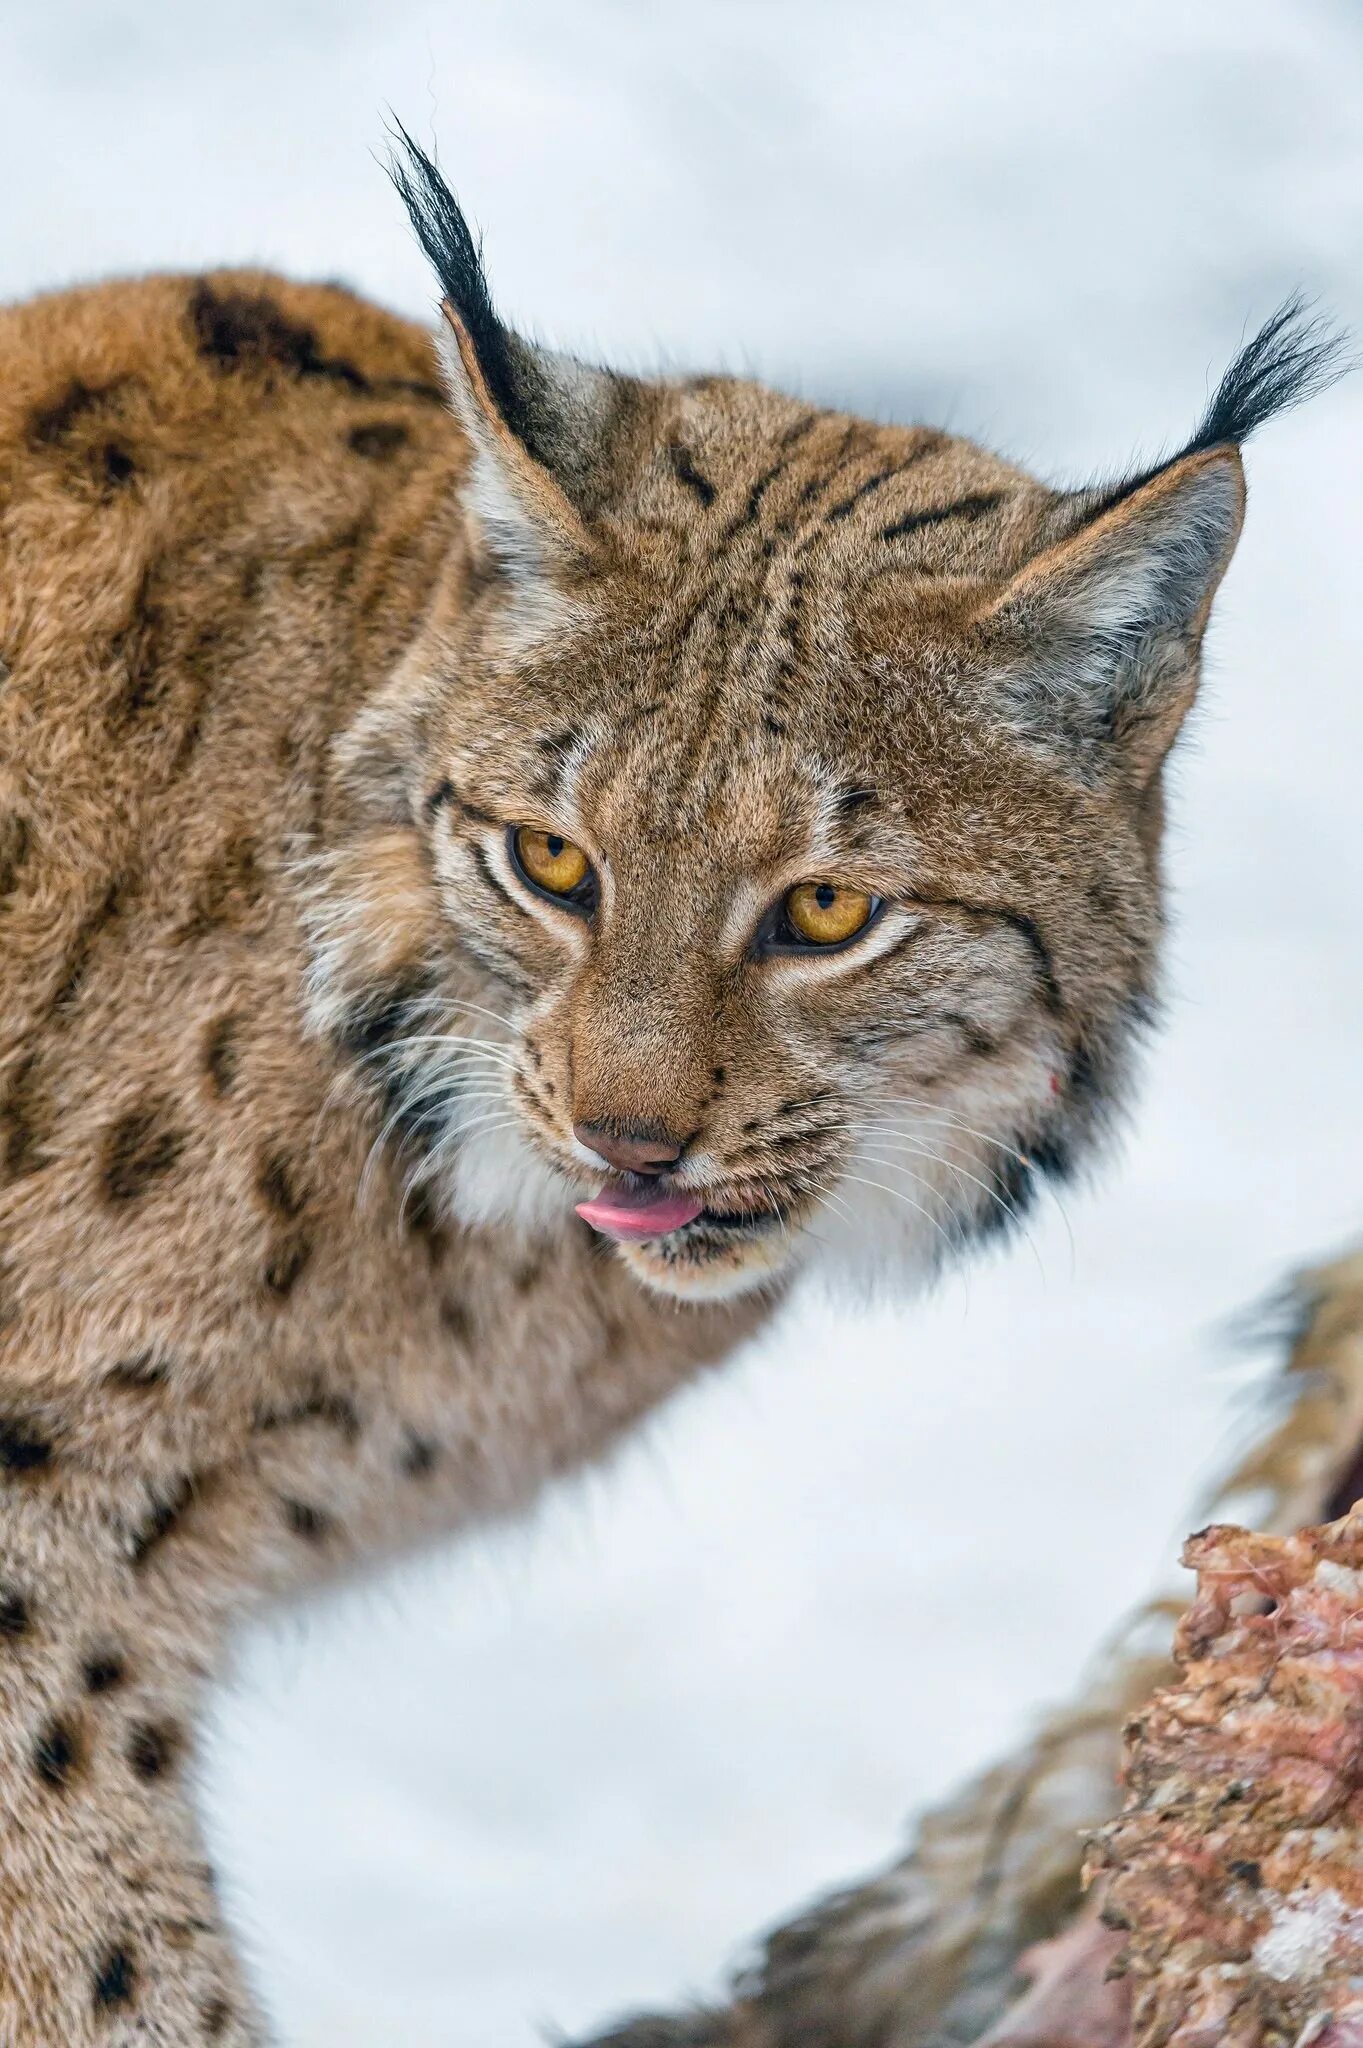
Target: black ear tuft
457	260
1295	355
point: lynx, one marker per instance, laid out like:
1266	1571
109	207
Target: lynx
503	866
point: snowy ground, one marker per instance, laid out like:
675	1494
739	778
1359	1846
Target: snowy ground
570	1767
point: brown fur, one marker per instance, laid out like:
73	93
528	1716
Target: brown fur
289	1060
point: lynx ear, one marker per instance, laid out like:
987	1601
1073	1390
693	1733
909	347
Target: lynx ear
1099	636
1102	632
539	422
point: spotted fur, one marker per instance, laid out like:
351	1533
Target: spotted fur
293	625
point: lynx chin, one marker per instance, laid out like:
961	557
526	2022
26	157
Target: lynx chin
502	865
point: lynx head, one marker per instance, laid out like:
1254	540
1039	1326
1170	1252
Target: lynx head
761	843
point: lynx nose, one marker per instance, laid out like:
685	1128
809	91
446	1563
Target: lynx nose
640	1153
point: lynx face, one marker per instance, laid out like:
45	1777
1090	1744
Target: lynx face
760	844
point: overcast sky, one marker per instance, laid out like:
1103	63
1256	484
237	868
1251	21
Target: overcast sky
566	1769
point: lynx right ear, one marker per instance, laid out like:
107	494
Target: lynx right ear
1099	636
1096	640
540	422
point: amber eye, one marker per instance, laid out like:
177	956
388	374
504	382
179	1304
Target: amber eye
550	863
827	913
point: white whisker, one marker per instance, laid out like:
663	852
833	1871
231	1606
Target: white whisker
899	1196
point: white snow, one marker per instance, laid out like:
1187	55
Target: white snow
562	1770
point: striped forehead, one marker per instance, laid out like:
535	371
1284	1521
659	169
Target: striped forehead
742	471
752	798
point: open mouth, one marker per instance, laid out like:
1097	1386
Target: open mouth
633	1210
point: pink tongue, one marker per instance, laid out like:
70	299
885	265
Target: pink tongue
627	1212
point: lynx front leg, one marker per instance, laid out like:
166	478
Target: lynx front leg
926	1955
110	1932
118	1589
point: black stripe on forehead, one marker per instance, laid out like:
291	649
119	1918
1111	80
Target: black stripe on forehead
932	440
757	490
686	472
846	506
964	508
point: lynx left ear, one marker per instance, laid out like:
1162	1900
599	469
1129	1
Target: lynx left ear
1100	635
540	422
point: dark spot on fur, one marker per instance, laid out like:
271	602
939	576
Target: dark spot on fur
442	794
852	800
285	1267
76	966
54	423
248	331
138	648
221	1054
22	1447
104	1672
229	889
199	664
216	2018
115	1980
456	1320
1084	1085
775	726
1052	1157
420	1456
14	1615
57	1755
182	1934
556	742
279	1188
143	1369
139	1150
423	1222
334	1409
314	1525
383	1013
21	1114
378	440
15	845
119	467
1247	1872
153	1748
161	1522
719	1075
527	1277
1013	1181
